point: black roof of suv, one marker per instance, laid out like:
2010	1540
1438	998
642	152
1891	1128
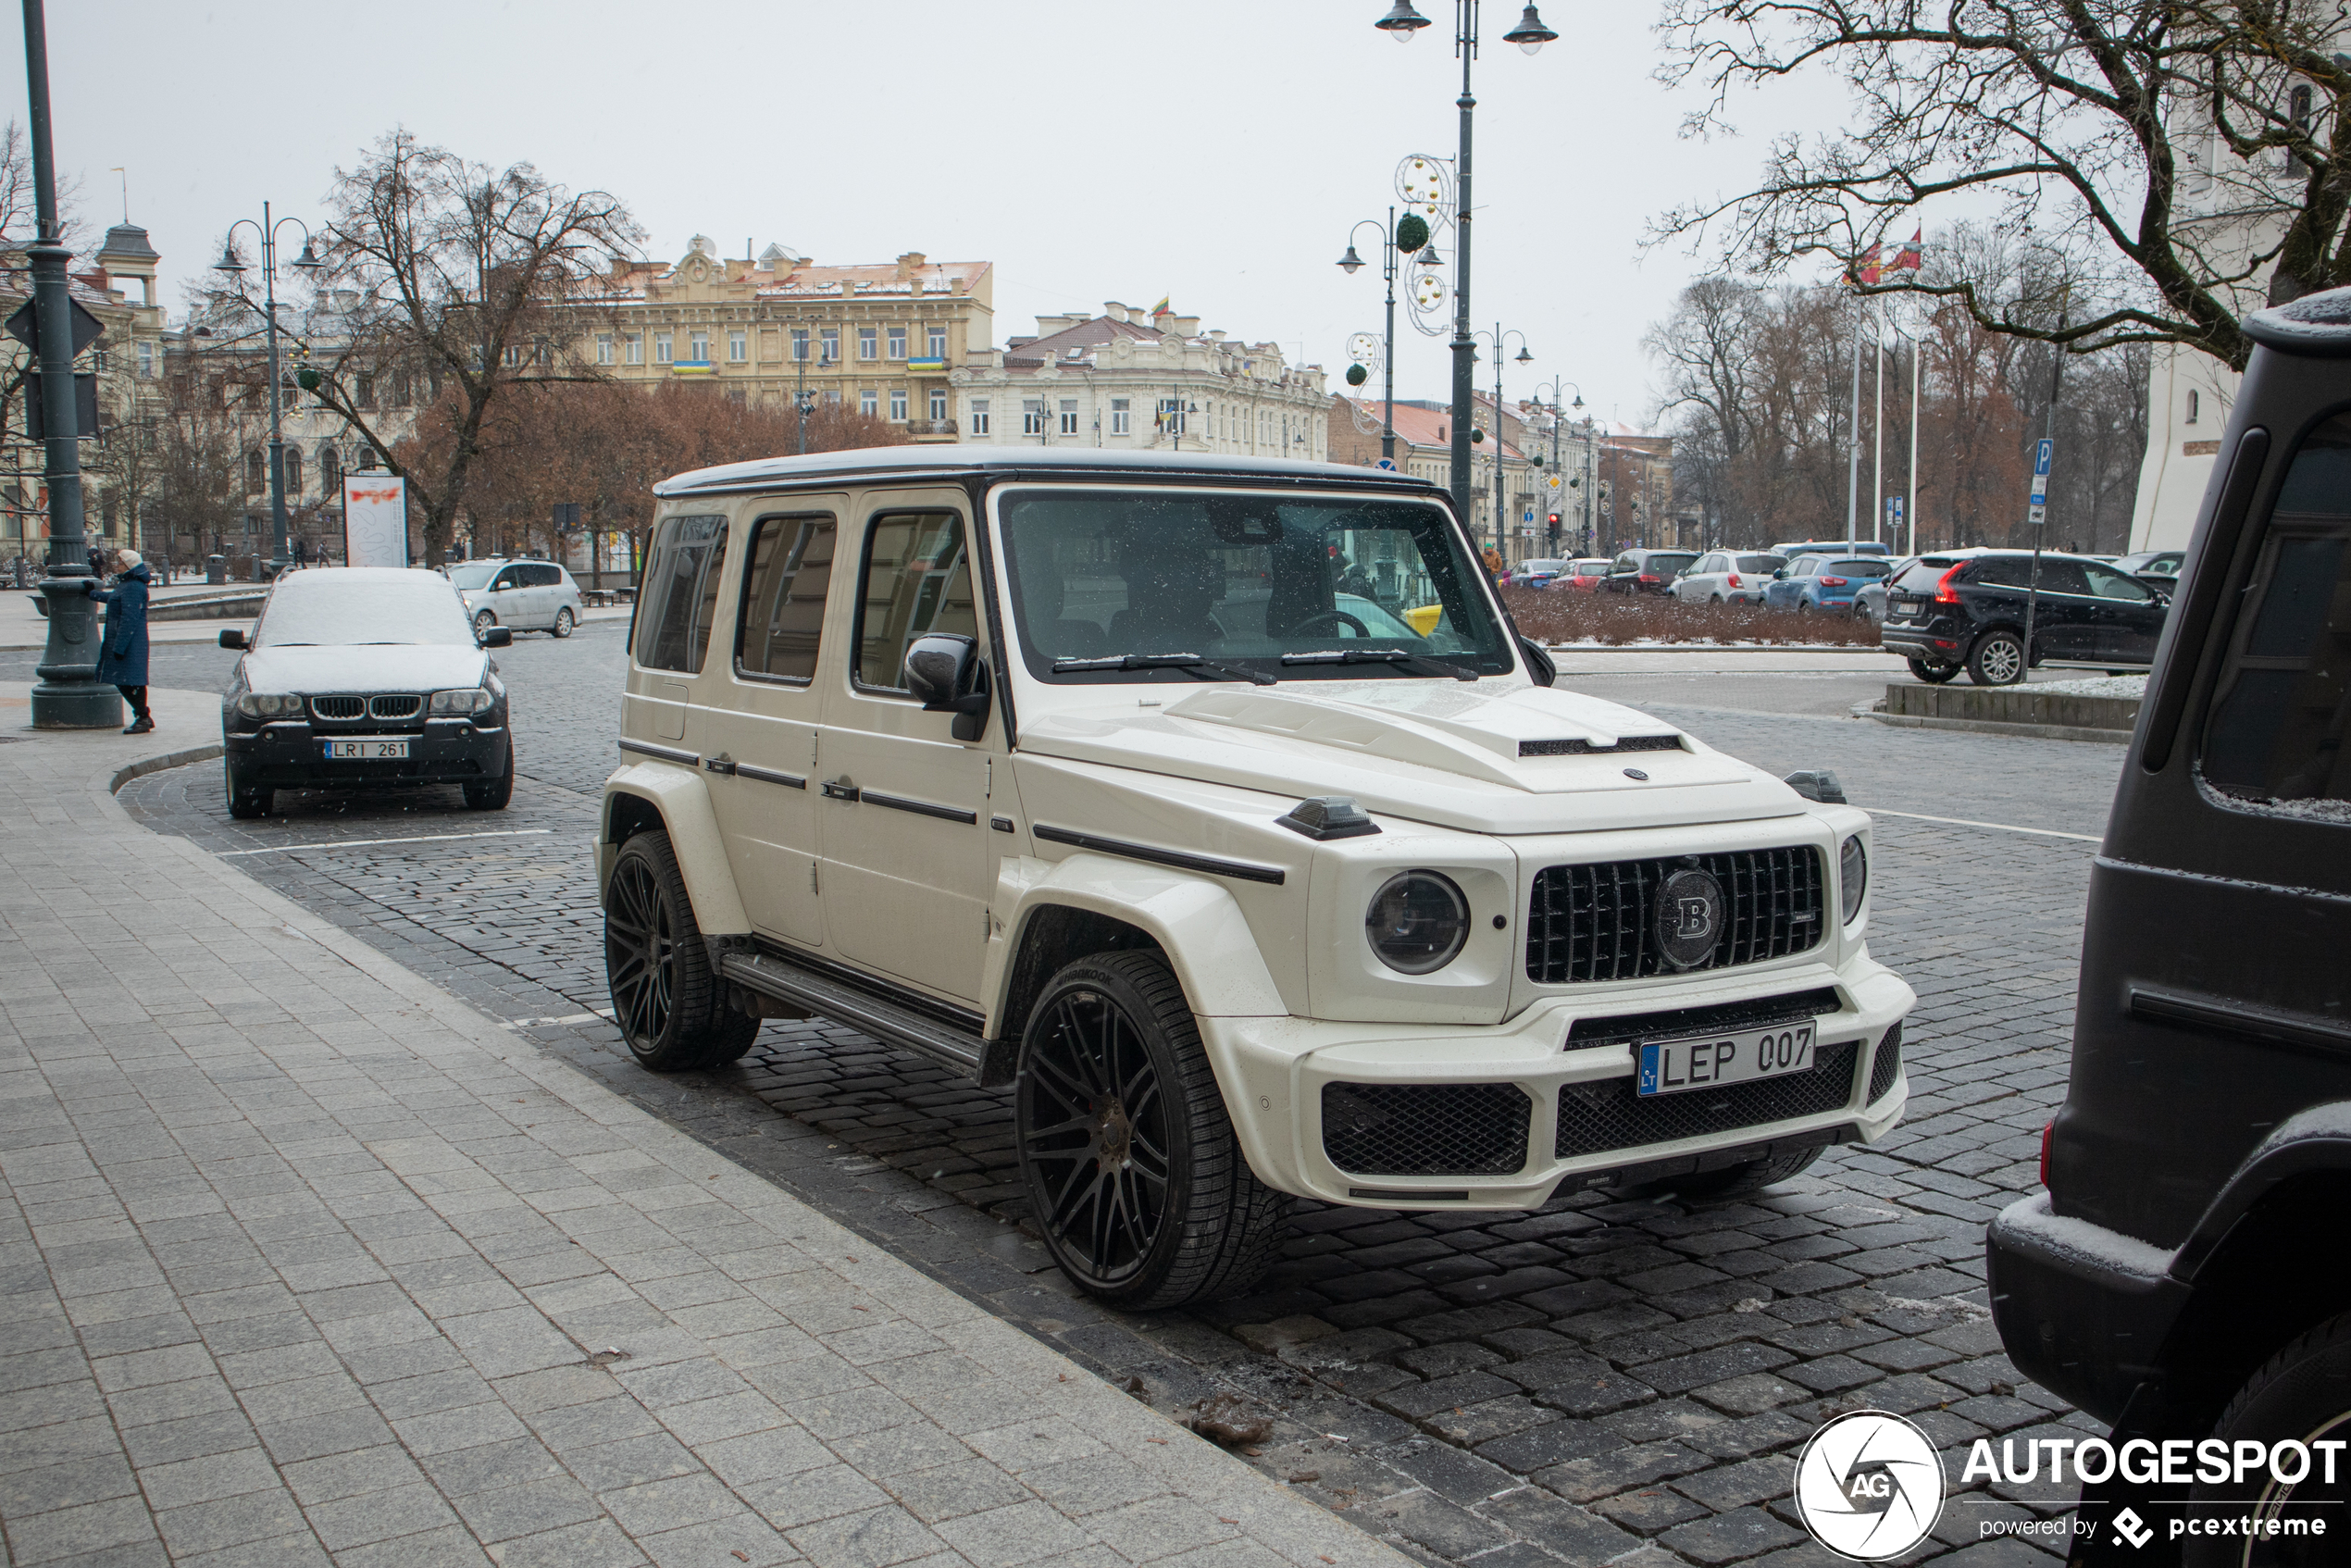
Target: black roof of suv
2184	1275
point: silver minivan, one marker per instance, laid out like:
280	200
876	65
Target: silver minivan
523	595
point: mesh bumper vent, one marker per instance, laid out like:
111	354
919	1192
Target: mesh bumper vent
1426	1129
1887	1067
1600	922
1597	1118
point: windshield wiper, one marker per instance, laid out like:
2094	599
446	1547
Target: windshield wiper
1190	664
1397	657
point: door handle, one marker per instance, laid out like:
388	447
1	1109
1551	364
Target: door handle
839	790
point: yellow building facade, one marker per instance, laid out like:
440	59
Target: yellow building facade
877	339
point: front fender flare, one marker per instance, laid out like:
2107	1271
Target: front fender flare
683	802
1194	919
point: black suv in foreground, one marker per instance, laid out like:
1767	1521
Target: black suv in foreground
2185	1275
1955	611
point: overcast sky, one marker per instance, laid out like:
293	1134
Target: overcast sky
1213	151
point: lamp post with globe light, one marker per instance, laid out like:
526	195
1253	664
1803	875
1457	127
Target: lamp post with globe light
1530	35
1395	237
234	264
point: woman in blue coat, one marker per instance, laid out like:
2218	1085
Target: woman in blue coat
122	652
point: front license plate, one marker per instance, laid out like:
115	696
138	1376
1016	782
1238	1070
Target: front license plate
365	751
1670	1067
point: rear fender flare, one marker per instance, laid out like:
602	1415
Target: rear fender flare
684	804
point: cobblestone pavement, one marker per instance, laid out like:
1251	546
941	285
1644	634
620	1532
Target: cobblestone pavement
1610	1376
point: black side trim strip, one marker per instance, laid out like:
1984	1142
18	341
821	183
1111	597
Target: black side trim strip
920	808
2241	1018
1242	869
664	754
769	775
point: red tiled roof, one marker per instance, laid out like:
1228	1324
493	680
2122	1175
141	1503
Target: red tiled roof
1427	427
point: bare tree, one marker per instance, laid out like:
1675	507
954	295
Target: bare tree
2180	160
466	278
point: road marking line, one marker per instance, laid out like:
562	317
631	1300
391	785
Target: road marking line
2001	827
365	843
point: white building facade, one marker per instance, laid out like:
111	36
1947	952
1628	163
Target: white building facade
1131	380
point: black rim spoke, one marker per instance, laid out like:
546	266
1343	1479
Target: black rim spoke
1094	1133
640	952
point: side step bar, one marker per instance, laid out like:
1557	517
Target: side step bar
943	1042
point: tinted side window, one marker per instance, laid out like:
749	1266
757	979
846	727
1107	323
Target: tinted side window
2060	576
2001	572
510	577
2278	720
546	575
2108	583
680	594
917	580
791	566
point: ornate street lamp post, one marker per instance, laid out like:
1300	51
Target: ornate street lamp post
234	264
1555	386
1530	35
1393	240
68	695
1501	340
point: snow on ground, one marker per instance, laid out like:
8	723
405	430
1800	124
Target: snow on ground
2132	687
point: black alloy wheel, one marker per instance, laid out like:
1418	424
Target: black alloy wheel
669	1003
1998	659
2302	1395
1934	675
1136	1179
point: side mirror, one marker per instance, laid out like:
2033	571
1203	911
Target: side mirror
498	637
945	673
233	638
1817	784
1539	667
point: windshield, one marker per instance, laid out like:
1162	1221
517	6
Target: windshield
1248	582
333	606
474	574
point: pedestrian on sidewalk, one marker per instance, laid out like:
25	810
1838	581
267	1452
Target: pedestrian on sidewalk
122	652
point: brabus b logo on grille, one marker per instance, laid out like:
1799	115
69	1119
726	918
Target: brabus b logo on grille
1689	916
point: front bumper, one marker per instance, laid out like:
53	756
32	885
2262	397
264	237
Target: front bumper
1274	1071
287	756
2083	1311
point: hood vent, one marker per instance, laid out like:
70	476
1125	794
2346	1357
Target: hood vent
1584	748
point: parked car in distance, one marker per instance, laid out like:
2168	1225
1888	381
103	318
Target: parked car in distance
1585	573
520	596
1837	547
1822	582
1952	611
357	674
1260	864
1537	573
1646	572
2157	568
1725	576
2174	1277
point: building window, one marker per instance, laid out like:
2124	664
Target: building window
980	416
663	344
829	349
897	406
512	358
938	404
2193	405
604	348
1069	415
898	342
293	470
869	403
800	344
736	396
1171	415
939	342
147	361
364	392
1119	417
257	473
832	397
329	471
1032	416
698	348
632	349
869	343
737	348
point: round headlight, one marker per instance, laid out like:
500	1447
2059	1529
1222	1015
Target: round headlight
1417	922
1852	876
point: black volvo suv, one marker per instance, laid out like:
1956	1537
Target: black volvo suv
1968	611
2186	1275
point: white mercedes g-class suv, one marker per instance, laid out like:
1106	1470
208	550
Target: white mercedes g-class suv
1215	806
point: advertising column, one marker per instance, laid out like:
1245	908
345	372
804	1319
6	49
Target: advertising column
375	520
